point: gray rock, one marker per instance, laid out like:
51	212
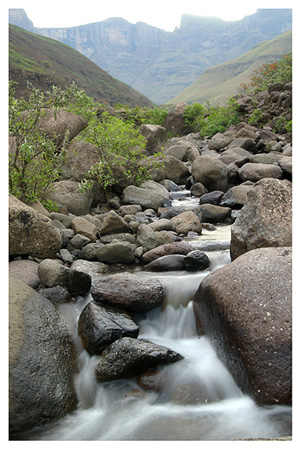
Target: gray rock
213	197
131	292
113	224
78	242
236	197
116	252
99	326
162	225
153	239
186	222
26	271
198	189
245	308
156	137
211	172
56	294
89	251
172	262
42	361
196	260
84	227
130	209
31	233
266	218
66	194
144	197
52	274
215	214
163	250
254	172
129	357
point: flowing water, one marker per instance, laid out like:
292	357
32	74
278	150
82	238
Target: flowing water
196	398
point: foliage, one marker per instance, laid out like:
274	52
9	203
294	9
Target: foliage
34	162
275	72
282	126
256	117
210	120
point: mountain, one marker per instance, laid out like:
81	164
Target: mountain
218	83
45	62
161	64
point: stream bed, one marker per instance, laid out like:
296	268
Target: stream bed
195	398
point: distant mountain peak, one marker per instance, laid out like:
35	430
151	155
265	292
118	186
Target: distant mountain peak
19	17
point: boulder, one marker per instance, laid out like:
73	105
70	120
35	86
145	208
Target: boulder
163	225
198	189
196	260
99	326
130	209
116	252
84	227
163	250
211	172
174	122
182	150
66	194
186	222
80	156
266	218
256	171
153	239
245	308
212	197
236	197
52	273
42	361
286	164
171	168
172	262
156	137
61	124
219	141
31	233
129	357
244	142
113	224
56	294
215	214
26	271
131	292
156	187
146	198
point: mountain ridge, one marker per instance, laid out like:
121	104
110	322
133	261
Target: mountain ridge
161	64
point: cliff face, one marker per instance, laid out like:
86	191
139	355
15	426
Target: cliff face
161	64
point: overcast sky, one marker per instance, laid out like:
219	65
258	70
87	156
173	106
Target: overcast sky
163	14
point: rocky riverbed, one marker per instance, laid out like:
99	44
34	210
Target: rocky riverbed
114	252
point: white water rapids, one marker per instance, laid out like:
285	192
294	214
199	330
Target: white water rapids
197	399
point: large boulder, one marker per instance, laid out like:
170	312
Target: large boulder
129	357
26	271
67	194
186	222
174	122
255	171
31	233
60	125
266	218
183	150
131	292
52	274
80	157
156	137
99	326
211	172
116	252
169	167
42	361
245	308
146	198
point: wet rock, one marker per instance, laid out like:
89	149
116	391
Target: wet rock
196	260
212	197
172	262
163	250
245	308
100	325
129	357
131	292
266	218
198	189
42	361
52	273
56	294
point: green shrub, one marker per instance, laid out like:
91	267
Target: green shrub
256	117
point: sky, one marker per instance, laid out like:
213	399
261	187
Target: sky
164	14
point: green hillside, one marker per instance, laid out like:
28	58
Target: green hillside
44	62
219	83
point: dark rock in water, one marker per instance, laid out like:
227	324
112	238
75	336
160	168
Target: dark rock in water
129	357
100	325
56	294
172	262
164	250
245	308
212	197
132	292
42	361
266	218
196	260
215	214
198	189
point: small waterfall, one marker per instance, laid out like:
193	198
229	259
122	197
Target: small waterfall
193	399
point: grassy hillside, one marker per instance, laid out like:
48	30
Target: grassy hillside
219	83
45	62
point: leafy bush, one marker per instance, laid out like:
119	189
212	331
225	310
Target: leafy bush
275	72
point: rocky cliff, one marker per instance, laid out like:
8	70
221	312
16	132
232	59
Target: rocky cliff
161	64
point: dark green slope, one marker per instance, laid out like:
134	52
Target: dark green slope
44	62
